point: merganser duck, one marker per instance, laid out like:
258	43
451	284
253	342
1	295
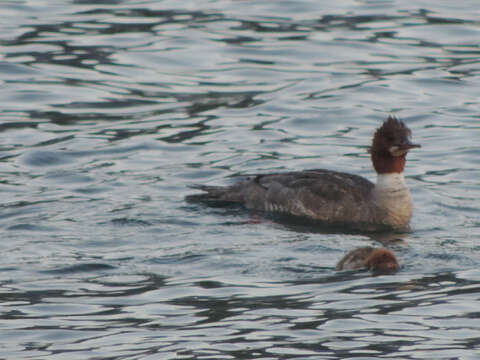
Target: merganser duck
331	196
377	260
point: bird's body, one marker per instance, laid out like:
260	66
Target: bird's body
332	196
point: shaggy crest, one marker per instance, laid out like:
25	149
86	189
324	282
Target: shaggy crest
391	143
382	261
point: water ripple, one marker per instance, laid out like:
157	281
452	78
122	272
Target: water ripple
111	110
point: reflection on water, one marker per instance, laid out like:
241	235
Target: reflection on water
337	315
112	109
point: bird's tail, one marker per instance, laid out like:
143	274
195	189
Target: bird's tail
214	194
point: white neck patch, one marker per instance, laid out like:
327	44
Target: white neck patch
392	196
391	182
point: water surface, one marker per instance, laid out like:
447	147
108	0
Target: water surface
111	109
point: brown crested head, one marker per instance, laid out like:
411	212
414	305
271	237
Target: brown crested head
390	145
382	261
